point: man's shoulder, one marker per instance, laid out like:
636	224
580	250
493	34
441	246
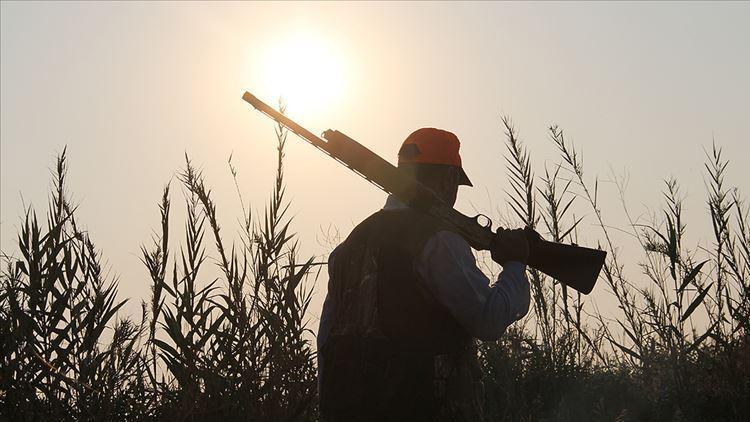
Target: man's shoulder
445	242
449	237
402	228
363	228
405	219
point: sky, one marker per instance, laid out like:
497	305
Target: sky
643	89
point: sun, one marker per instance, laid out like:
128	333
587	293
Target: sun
305	72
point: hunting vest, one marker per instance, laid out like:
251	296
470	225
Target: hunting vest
393	352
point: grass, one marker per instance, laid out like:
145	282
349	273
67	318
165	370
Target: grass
236	347
231	348
649	361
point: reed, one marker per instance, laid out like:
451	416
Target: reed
651	360
223	334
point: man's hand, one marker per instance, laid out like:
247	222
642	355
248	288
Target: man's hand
510	245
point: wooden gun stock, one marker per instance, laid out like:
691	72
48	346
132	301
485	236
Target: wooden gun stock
572	265
575	266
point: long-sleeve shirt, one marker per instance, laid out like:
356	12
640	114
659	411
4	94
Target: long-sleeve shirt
449	269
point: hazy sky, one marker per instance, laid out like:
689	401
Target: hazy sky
130	87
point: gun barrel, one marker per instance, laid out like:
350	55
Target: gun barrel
356	157
572	265
287	122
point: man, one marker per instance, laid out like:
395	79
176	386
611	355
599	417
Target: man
406	301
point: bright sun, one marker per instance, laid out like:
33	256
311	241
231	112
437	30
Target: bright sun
305	72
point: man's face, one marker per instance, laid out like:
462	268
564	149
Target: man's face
448	188
444	181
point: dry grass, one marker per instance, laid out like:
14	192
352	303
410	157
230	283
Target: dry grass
649	361
235	347
232	348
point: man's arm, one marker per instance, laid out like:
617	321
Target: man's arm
451	274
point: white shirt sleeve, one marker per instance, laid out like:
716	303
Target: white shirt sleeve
450	271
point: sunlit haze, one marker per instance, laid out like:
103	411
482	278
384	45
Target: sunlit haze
303	70
642	90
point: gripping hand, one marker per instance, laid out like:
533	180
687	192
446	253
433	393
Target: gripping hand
510	245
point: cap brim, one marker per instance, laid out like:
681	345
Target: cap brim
464	179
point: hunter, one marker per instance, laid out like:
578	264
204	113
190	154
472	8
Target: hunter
406	303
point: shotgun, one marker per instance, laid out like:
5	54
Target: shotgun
572	265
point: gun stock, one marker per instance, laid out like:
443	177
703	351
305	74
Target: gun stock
572	265
575	266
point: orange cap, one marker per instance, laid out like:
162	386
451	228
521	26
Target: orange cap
432	146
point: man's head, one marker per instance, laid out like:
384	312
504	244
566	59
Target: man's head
431	156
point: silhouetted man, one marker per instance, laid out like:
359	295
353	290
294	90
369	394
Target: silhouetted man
406	301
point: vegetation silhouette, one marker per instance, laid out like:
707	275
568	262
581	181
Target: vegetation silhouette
235	348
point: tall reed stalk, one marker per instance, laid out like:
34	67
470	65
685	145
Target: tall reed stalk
223	334
652	359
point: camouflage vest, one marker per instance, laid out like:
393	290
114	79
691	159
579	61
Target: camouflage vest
394	353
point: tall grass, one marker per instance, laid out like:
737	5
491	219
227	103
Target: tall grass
651	361
228	348
223	334
56	303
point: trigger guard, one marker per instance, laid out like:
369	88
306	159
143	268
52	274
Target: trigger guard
478	218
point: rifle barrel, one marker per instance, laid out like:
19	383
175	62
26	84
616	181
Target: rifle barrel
285	121
575	266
